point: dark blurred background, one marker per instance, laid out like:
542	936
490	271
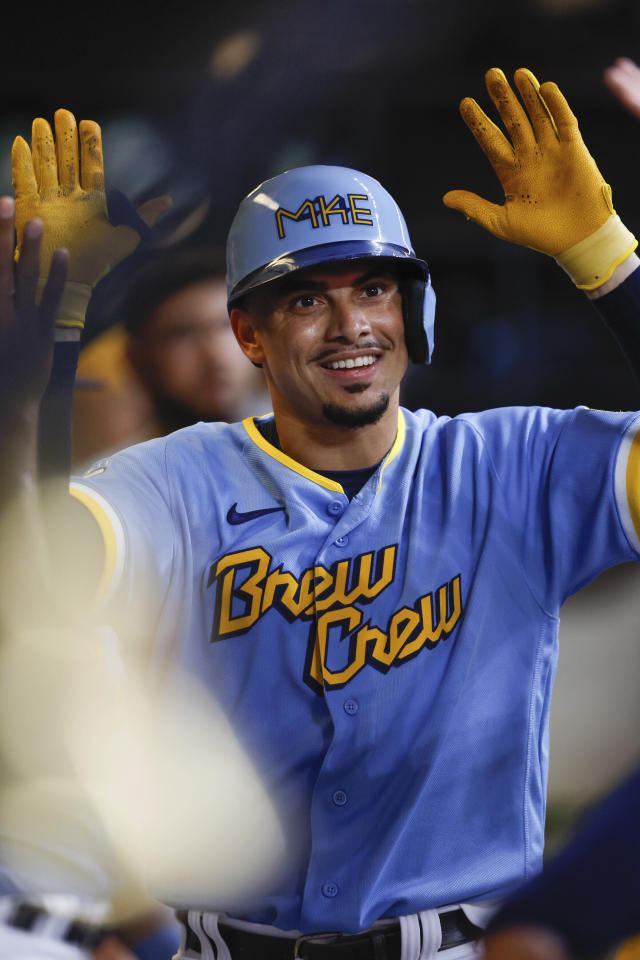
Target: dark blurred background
206	100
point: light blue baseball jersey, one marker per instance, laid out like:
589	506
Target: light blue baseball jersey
387	661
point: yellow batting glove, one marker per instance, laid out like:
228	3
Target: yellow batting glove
556	200
63	185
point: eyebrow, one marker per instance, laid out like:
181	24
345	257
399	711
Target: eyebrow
294	284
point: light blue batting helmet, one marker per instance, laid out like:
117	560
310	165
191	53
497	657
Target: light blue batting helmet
321	214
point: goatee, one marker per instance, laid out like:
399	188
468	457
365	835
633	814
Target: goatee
350	419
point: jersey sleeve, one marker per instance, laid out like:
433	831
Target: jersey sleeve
570	480
128	496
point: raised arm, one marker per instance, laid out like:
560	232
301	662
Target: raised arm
62	182
60	203
556	200
26	343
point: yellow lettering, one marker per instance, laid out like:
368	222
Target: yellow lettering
371	635
326	580
429	633
386	648
291	588
251	588
363	589
329	597
326	211
355	211
319	670
310	215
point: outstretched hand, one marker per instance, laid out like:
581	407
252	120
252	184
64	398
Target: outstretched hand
26	326
555	196
62	183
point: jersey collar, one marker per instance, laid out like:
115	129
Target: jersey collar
318	478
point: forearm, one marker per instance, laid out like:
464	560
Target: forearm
74	544
54	429
23	556
618	303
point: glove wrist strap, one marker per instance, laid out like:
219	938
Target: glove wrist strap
73	303
591	262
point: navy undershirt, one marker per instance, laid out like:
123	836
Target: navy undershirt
351	481
619	309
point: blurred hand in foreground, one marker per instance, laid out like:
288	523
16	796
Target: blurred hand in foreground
623	79
26	325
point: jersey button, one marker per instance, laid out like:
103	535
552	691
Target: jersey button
335	508
351	707
330	889
341	541
339	797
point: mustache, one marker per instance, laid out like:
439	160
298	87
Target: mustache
345	347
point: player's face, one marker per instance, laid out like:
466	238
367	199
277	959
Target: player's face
332	344
190	356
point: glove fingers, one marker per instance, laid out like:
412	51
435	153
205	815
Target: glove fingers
485	214
45	163
67	150
541	120
151	210
23	176
490	138
565	121
91	162
510	109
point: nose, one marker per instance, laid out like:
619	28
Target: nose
348	321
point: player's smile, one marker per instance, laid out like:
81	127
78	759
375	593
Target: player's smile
353	364
334	336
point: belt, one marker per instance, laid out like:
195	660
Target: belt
383	943
30	917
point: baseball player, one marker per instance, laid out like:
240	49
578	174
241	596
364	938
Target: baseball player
373	594
172	362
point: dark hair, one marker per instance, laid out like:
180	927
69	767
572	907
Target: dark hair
165	274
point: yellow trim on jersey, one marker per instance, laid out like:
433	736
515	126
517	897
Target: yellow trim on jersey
633	482
108	538
395	449
282	458
318	478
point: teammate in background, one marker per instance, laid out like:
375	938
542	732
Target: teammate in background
440	548
172	362
585	901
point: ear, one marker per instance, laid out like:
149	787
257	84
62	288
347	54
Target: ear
245	328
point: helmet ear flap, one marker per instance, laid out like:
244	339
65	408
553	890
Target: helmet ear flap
418	303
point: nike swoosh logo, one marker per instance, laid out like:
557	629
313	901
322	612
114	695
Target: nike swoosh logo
234	516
